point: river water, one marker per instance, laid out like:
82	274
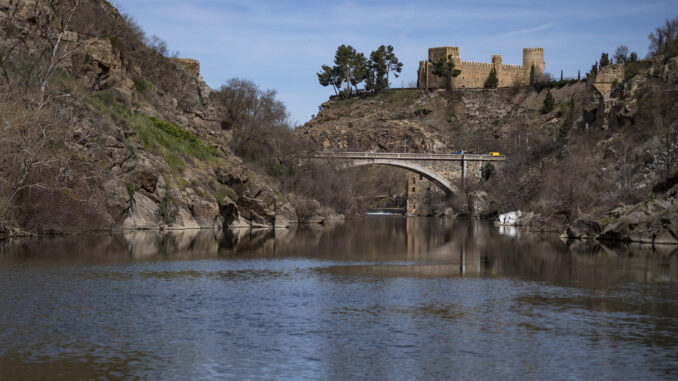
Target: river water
375	298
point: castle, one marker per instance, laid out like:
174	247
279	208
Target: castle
474	74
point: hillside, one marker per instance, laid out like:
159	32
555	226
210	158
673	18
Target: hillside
592	162
103	130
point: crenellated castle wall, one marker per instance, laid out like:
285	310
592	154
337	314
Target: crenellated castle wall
474	74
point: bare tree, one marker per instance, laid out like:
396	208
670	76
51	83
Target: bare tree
39	126
255	117
664	37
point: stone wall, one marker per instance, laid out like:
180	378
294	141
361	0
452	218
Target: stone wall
607	77
189	65
474	74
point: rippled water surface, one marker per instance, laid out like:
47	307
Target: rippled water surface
375	298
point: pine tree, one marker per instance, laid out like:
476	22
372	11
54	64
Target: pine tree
444	67
492	81
533	78
549	103
604	60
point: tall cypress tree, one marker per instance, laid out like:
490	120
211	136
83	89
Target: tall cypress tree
492	81
549	103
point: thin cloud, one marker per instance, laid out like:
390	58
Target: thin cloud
282	43
526	31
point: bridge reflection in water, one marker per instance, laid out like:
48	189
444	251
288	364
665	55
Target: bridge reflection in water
382	246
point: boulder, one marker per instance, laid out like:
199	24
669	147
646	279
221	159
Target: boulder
615	231
583	228
257	211
509	219
98	65
205	213
143	214
142	178
231	177
478	204
665	237
286	216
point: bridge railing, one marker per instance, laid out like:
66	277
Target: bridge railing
409	156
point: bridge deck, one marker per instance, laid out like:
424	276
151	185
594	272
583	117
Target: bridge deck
410	156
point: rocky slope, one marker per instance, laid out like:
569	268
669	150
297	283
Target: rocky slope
591	164
142	146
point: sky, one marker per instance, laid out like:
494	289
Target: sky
281	44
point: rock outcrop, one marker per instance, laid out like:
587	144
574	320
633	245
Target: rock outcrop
146	150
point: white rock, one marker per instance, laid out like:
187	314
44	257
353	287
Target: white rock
509	219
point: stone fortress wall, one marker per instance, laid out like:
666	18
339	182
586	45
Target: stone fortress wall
474	74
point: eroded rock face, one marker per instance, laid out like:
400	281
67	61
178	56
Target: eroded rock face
49	211
584	228
480	205
653	222
286	216
124	174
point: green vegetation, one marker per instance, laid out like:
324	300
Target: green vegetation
444	67
168	209
165	138
399	96
352	68
539	86
487	171
141	85
224	191
382	62
549	103
130	189
632	69
492	81
664	39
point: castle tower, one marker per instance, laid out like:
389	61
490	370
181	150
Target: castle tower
534	56
496	61
434	54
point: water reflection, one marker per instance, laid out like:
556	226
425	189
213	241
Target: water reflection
399	246
373	298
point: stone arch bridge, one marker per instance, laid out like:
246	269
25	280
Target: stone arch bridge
448	171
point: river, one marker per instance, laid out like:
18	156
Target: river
374	298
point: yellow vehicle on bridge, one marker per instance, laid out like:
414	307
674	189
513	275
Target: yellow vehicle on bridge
494	154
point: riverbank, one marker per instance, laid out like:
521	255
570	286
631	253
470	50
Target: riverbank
652	222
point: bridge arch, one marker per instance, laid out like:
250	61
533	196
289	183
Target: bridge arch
442	182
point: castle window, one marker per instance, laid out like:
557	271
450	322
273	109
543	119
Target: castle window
412	189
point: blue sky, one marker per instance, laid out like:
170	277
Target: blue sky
282	44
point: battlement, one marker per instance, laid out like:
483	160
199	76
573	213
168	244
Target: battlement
471	63
474	74
435	54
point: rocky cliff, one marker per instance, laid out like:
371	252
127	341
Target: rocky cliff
101	132
598	155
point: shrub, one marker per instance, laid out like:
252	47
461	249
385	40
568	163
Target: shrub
549	103
224	191
130	189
